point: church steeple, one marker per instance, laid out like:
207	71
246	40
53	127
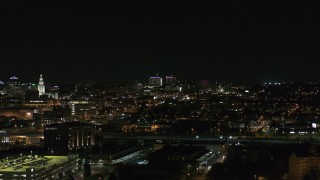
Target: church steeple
41	87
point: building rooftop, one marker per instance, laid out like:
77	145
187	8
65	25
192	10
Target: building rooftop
21	163
191	151
69	124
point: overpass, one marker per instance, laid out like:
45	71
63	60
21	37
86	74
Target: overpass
196	139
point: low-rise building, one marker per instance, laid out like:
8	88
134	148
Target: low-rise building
116	155
299	167
34	167
25	139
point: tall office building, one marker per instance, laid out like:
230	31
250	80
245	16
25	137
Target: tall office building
14	86
41	87
170	80
155	81
205	83
62	137
14	82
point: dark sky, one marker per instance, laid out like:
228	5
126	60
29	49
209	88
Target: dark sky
226	40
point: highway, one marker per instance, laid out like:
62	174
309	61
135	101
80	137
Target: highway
197	139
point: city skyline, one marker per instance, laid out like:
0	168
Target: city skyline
160	90
145	80
129	41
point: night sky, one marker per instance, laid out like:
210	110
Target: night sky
226	40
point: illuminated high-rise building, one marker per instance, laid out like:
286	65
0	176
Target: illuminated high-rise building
155	81
14	86
14	82
170	80
41	87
